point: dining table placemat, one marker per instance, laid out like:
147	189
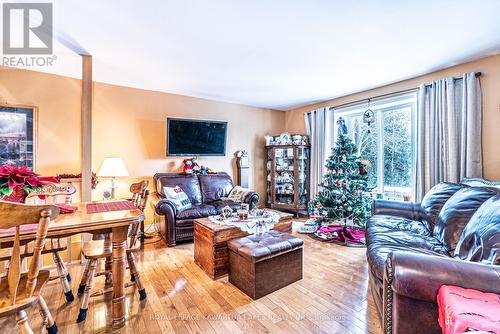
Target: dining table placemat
110	206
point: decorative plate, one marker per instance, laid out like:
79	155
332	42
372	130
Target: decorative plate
285	139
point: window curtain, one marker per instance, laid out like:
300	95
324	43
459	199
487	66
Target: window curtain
448	132
319	127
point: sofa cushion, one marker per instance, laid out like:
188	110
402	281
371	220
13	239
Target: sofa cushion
238	194
406	239
380	244
177	196
385	234
387	224
457	212
434	200
196	211
480	240
188	182
215	186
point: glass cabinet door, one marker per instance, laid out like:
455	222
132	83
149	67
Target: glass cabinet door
269	176
284	175
303	172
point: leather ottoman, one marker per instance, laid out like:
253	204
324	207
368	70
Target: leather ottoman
263	263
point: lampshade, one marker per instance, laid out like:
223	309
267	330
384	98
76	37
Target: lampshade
113	167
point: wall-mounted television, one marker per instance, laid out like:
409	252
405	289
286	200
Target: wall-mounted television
192	137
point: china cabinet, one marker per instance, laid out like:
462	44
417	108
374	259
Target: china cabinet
287	172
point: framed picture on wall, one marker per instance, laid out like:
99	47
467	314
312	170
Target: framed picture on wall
17	135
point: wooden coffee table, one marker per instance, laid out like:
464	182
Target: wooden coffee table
210	243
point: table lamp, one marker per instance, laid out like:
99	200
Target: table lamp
113	167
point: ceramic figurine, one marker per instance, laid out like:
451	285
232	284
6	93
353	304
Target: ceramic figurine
285	139
297	139
227	212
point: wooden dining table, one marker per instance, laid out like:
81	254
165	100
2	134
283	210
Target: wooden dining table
80	221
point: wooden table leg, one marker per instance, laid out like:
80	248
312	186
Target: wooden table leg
108	264
119	244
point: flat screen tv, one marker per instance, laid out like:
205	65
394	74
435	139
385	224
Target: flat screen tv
190	137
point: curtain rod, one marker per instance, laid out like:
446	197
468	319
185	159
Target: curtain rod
478	74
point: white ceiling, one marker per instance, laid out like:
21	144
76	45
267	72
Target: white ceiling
277	54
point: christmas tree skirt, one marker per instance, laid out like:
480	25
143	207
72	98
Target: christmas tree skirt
341	234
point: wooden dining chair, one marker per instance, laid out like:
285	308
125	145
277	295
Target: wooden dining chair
96	250
18	291
52	246
50	192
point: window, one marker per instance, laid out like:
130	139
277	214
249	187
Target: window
386	145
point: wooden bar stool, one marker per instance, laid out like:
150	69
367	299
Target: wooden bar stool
18	291
95	250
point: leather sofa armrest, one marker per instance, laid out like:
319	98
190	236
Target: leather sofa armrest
165	211
252	198
411	283
408	210
166	207
163	206
419	276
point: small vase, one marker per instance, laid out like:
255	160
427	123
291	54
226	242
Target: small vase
18	195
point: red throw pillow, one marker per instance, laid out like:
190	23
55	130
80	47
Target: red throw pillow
461	310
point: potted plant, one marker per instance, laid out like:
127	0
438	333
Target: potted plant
17	182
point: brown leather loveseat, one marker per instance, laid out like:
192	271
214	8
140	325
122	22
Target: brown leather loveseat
452	237
206	193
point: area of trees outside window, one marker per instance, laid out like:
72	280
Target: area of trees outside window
386	146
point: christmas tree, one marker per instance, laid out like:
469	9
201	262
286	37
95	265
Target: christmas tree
343	193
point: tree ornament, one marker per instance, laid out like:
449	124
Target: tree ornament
368	116
342	127
362	169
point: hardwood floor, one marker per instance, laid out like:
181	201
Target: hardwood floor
331	298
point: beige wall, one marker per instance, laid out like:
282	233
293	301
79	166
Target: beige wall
57	99
490	84
130	123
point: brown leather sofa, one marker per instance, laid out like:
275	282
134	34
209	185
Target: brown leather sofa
206	194
452	237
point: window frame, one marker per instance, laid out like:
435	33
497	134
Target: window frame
399	102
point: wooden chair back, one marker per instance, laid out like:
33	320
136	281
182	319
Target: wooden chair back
140	194
52	190
48	194
16	215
